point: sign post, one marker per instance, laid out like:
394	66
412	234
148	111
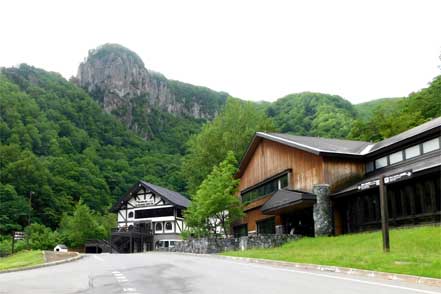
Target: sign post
17	236
384	215
381	182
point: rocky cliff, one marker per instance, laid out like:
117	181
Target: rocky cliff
117	78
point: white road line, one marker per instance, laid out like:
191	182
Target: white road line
338	278
98	258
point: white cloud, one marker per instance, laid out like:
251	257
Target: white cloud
257	50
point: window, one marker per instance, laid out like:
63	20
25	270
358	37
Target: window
172	243
284	181
266	226
131	214
179	212
158	212
168	226
396	157
158	227
431	145
412	152
381	162
264	189
369	166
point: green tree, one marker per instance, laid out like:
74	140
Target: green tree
85	224
13	210
216	204
41	237
232	130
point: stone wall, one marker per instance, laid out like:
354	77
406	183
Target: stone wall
217	245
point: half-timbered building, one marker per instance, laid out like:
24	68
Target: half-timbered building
148	216
319	186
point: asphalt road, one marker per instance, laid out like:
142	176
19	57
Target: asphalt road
159	273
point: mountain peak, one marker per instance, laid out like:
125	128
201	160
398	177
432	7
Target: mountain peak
117	78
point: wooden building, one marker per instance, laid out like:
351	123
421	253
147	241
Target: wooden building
148	216
297	184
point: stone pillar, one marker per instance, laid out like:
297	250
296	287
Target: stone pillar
322	211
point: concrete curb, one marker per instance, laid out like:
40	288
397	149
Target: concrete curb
333	269
78	256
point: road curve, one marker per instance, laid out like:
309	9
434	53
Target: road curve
175	273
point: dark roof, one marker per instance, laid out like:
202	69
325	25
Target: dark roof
419	164
286	197
338	147
171	196
318	145
433	124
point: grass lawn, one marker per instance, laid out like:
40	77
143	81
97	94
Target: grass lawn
414	251
21	259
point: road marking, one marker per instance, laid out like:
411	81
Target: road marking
98	258
338	278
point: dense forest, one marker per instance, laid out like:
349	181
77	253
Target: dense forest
59	143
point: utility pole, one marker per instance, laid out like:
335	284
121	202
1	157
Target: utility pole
30	207
384	215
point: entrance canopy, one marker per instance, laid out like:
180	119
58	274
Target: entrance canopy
286	200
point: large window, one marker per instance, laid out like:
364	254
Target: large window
158	212
266	226
266	188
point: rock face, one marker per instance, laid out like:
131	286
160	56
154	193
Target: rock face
117	78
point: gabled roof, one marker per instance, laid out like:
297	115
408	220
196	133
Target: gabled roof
173	197
318	145
338	147
315	145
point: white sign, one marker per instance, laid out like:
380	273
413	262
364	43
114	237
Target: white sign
393	178
387	180
19	235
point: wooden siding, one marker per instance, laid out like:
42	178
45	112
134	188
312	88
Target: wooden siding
341	172
271	158
254	215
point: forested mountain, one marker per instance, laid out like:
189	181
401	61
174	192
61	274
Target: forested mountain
366	110
145	101
58	142
94	136
313	114
392	117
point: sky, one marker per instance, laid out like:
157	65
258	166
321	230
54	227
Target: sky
254	50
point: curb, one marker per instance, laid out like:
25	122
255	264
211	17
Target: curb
332	269
70	259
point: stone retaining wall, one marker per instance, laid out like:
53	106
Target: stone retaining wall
216	245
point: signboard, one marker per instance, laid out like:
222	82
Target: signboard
19	235
145	202
396	177
387	180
